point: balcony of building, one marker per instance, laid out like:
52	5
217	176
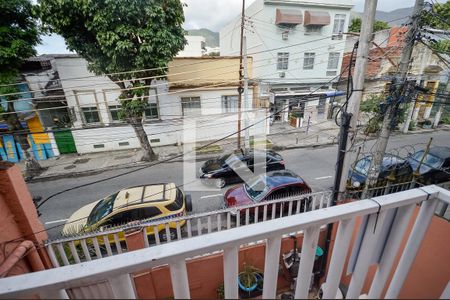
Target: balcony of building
390	246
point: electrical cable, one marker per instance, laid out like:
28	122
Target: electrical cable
145	167
151	86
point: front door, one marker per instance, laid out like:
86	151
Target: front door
65	142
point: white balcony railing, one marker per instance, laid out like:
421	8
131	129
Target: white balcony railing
109	242
110	276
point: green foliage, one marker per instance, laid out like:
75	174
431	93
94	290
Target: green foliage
438	17
118	36
221	291
121	36
214	53
442	46
355	25
248	276
445	119
19	33
371	104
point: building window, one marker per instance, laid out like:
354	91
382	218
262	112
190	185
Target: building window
190	106
313	29
91	114
114	111
308	61
230	104
333	60
151	111
283	60
338	26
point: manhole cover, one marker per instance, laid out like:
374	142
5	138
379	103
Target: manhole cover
69	167
81	160
123	156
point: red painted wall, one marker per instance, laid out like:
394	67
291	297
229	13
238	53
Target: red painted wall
430	271
19	220
206	273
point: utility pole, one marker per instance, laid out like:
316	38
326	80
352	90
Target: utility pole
354	102
349	120
240	89
400	81
247	106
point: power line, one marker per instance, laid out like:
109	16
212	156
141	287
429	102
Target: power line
161	76
151	165
162	94
145	86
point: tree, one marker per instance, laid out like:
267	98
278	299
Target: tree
374	108
438	17
355	25
122	36
19	35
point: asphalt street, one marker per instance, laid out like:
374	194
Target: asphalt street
315	165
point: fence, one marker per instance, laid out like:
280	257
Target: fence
109	242
112	277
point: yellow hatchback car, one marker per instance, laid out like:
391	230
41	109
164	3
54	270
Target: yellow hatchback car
146	202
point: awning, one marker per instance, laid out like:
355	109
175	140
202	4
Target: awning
313	17
288	17
335	93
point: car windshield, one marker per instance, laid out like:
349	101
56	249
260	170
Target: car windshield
223	159
102	209
363	166
257	188
429	160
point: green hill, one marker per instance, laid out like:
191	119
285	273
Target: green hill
211	37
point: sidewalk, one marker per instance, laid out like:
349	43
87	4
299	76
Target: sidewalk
282	136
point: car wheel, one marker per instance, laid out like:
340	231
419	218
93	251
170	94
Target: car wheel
163	235
188	201
220	182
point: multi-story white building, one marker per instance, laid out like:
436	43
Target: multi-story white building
297	47
195	47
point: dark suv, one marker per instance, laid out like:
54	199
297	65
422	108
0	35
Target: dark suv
399	170
220	171
435	167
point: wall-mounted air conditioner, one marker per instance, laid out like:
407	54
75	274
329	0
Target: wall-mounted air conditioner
285	35
282	74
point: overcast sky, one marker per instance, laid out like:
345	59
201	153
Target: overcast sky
213	14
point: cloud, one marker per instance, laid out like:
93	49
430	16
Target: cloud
211	14
214	14
53	44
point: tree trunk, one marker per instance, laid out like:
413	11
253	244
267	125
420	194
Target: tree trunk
32	167
149	154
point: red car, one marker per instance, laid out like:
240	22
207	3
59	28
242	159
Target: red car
272	185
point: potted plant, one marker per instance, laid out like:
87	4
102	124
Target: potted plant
250	282
294	119
426	124
220	291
